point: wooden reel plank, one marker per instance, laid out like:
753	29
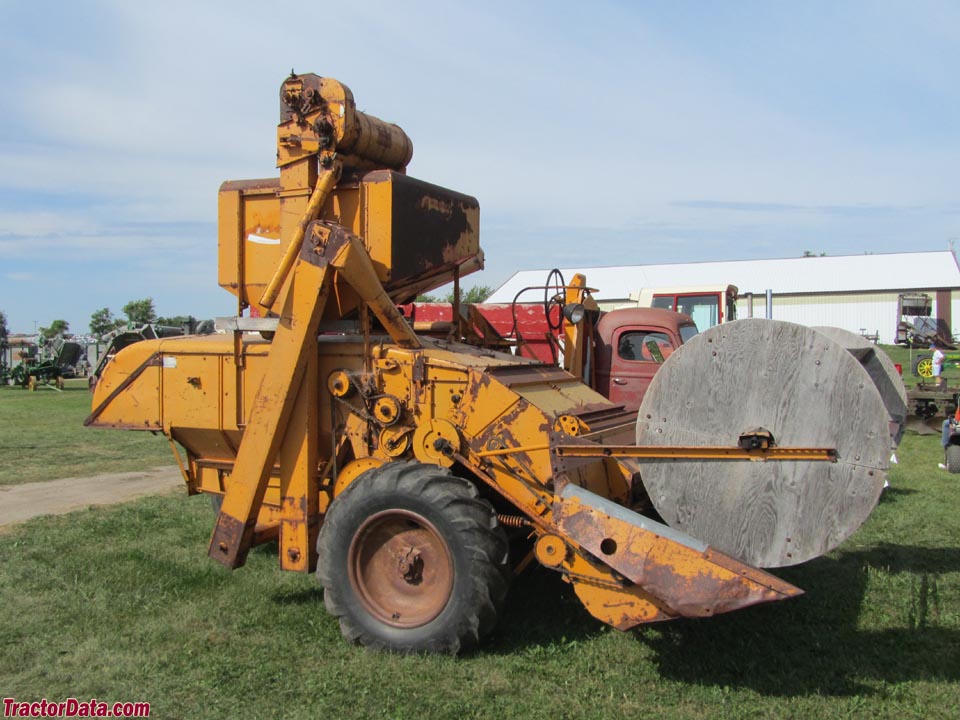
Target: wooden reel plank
807	391
881	370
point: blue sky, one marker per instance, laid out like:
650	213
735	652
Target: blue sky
592	134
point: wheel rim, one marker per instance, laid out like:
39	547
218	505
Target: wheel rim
925	368
400	568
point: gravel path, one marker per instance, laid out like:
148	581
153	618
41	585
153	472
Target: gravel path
56	497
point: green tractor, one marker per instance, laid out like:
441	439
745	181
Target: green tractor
29	377
57	361
923	364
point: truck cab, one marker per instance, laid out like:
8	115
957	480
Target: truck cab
708	305
631	344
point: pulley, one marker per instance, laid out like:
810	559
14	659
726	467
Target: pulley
338	383
386	409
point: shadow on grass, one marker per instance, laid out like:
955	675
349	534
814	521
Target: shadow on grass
541	611
892	495
823	643
818	644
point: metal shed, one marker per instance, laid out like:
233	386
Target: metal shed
854	292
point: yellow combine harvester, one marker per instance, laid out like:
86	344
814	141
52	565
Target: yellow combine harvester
418	476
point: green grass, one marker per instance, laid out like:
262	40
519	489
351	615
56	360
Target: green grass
122	604
42	437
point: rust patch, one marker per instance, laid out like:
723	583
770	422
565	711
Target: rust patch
429	224
690	581
246	186
703	594
419	368
322	241
781	587
231	540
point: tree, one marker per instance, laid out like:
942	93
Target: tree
140	312
102	322
475	294
3	328
57	327
174	321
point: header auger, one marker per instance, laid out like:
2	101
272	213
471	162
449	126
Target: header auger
418	475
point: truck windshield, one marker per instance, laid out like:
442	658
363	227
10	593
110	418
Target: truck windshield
687	332
703	309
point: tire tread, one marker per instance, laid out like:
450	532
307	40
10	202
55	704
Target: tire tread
953	458
474	522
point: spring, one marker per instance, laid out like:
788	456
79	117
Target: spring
515	521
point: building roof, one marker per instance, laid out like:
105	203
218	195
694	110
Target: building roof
887	272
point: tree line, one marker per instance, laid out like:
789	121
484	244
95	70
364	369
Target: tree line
477	294
142	312
135	313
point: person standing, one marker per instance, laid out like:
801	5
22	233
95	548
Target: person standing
938	367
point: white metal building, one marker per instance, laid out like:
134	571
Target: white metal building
854	292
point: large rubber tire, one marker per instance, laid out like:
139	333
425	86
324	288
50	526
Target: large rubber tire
923	366
412	560
953	458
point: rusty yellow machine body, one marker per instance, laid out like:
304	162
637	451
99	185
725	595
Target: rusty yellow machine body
415	475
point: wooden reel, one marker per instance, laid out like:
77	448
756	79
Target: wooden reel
807	391
881	370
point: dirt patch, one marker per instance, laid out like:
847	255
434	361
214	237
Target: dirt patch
56	497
